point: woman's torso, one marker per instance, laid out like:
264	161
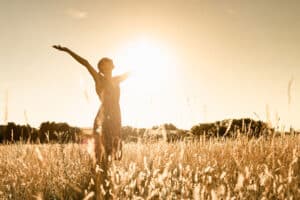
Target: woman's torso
108	91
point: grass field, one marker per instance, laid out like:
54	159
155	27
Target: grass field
263	168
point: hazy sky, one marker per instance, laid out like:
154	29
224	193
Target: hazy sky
192	61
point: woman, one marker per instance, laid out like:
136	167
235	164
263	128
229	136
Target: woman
107	124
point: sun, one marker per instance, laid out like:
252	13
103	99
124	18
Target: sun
153	66
149	61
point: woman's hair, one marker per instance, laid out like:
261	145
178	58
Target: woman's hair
105	64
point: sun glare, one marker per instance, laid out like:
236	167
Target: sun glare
153	68
149	62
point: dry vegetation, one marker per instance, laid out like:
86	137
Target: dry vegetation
263	168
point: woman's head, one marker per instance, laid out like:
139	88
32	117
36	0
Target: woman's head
105	65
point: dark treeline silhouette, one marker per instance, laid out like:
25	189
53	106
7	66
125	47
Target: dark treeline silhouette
49	132
232	128
52	132
58	132
13	132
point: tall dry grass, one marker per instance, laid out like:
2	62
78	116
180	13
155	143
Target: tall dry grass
264	168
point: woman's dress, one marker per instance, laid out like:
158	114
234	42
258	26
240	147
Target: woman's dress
107	124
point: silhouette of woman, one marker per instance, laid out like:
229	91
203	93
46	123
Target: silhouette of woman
107	124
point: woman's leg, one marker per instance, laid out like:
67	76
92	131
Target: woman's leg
98	138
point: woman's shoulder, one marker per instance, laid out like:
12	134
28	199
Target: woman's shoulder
99	78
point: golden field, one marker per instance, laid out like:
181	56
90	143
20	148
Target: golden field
242	168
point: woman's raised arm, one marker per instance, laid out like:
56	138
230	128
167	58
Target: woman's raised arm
121	77
79	59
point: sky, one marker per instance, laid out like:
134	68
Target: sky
192	61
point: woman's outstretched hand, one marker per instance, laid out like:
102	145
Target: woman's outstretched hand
58	47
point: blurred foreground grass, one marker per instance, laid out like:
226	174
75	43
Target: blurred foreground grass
242	168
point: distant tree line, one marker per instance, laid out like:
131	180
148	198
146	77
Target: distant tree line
232	128
48	132
52	132
229	128
168	132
